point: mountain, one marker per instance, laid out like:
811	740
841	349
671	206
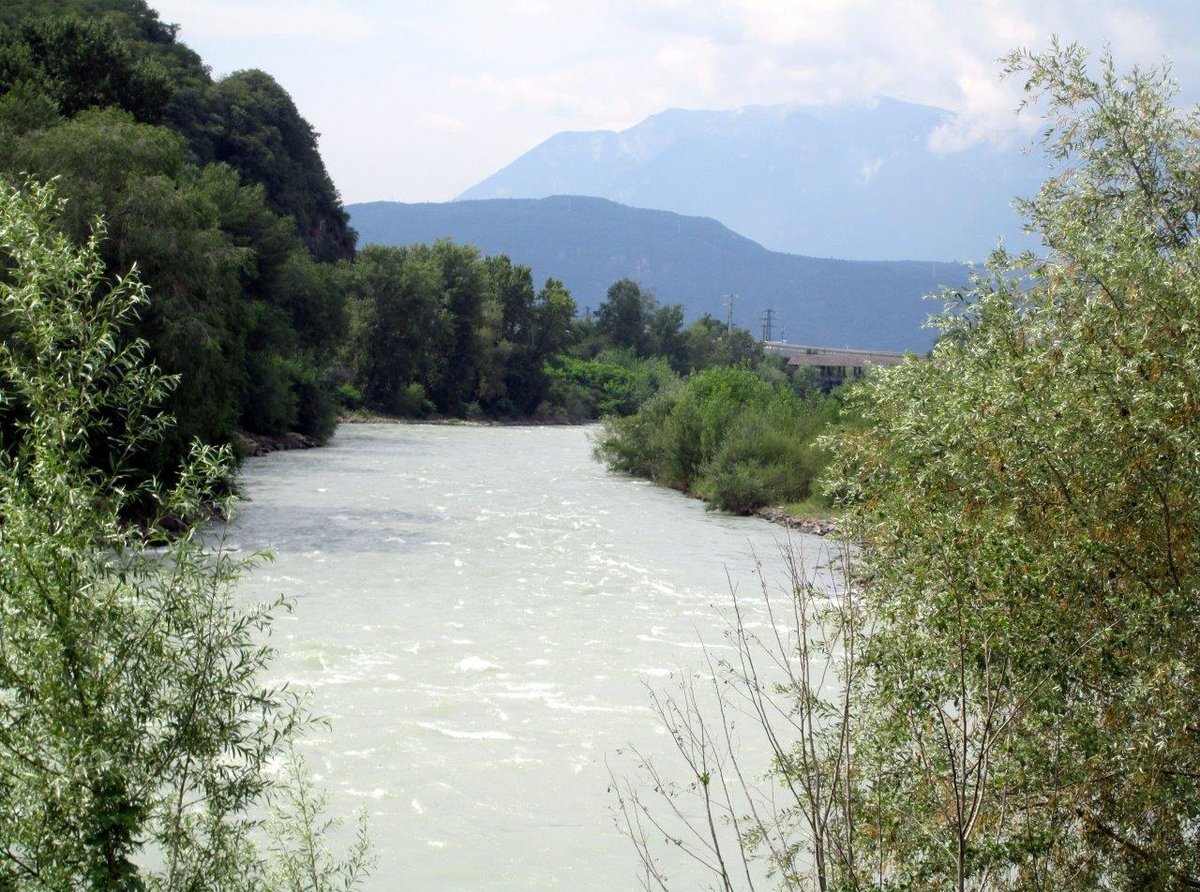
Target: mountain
589	243
848	181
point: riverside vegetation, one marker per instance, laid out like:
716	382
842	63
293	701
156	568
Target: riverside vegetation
137	737
259	301
1016	670
1005	699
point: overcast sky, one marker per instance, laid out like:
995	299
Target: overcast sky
417	101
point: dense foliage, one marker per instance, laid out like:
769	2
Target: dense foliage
440	329
213	192
1029	500
726	435
136	733
1020	669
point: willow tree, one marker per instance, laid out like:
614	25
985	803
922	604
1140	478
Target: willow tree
1029	501
1020	663
136	732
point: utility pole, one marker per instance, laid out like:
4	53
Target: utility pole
768	321
729	299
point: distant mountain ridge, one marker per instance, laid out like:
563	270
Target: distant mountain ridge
849	181
589	243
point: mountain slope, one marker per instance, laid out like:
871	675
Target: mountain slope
856	182
589	243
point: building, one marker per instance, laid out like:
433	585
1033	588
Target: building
833	366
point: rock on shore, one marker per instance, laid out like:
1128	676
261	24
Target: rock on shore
261	444
812	525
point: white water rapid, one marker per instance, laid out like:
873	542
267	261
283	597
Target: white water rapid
477	612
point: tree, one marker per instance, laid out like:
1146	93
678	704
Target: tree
665	336
708	342
133	715
81	64
254	126
624	315
1026	500
399	335
1029	501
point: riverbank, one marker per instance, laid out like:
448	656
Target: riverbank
359	416
253	445
815	526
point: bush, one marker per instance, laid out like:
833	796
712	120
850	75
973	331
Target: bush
761	464
616	383
1017	667
316	399
727	436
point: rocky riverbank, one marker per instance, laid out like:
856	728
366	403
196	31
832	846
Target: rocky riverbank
811	525
262	444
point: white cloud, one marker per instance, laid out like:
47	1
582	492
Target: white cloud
441	123
869	169
420	100
325	20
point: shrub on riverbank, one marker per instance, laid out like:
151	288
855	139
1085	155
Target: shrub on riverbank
726	436
1002	693
614	383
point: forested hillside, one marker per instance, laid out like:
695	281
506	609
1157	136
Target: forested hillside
589	242
213	191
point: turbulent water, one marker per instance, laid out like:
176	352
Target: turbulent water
478	611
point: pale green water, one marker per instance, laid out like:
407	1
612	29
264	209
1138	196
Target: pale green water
477	611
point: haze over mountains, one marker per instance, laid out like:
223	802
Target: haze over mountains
868	185
850	182
590	242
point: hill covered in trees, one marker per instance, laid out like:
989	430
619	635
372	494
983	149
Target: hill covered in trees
590	242
213	191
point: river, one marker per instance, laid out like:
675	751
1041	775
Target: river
478	611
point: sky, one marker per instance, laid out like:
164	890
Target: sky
418	100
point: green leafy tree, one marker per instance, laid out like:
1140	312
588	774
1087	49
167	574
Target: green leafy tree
708	342
1028	500
82	63
136	732
399	332
623	316
664	336
464	282
133	717
254	126
1027	643
553	313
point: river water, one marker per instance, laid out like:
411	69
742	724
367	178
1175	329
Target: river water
478	611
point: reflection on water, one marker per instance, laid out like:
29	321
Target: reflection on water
477	611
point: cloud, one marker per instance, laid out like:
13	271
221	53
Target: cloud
441	123
324	20
867	172
382	79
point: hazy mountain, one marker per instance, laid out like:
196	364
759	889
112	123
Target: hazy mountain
856	182
589	243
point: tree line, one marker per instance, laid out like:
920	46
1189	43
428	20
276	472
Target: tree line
260	304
